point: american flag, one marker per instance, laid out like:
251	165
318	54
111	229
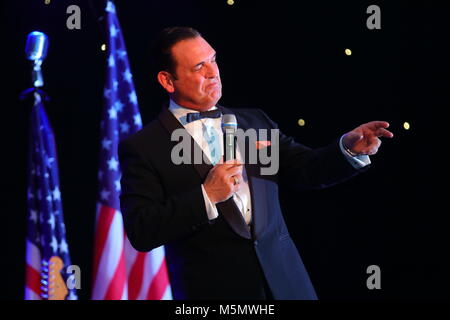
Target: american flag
119	271
47	252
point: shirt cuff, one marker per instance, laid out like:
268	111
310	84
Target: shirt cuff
357	161
211	209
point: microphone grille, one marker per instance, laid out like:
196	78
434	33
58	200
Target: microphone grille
229	120
37	45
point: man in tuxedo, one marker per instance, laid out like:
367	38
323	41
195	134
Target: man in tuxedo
221	223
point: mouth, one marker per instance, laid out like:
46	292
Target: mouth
214	85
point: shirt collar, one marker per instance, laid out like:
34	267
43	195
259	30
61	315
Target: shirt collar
180	112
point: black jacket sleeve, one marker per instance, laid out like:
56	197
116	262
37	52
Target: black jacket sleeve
151	217
311	168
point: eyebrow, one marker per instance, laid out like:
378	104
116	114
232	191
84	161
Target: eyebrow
203	62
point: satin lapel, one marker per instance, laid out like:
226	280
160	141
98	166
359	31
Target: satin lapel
228	208
171	123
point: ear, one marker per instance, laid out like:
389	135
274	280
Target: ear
166	80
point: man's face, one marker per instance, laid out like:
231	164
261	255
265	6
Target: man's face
196	83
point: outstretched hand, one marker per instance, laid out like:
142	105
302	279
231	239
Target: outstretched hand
365	138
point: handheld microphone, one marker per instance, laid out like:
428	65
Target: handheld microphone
36	51
229	127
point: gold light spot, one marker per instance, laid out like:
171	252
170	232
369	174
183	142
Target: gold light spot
406	125
348	52
230	2
47	1
301	122
103	47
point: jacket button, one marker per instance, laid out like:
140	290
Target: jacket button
255	242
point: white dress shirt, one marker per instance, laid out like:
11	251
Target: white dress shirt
242	197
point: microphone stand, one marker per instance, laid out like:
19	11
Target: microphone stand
36	74
38	82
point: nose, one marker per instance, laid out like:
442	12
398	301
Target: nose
212	71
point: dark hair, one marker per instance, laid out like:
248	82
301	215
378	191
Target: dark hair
163	46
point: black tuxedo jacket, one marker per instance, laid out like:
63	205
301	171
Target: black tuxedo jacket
162	204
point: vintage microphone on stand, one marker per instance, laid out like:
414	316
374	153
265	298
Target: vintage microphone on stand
36	51
51	282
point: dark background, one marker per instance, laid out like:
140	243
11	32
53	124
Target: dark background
286	57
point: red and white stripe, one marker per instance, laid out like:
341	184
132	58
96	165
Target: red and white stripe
120	272
32	272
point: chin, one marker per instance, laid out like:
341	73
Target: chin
216	99
207	103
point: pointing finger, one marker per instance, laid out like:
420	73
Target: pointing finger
375	125
381	132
